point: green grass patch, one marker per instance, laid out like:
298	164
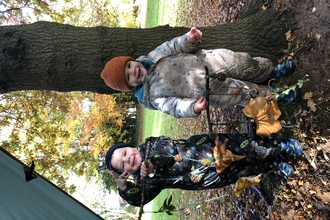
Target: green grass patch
156	123
162	12
152	14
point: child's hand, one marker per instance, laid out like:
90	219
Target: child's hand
144	171
200	105
120	180
194	35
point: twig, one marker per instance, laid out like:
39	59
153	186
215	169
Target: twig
305	46
207	88
143	184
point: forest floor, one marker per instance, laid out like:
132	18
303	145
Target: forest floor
307	194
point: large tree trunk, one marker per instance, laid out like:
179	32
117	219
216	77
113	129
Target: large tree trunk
51	56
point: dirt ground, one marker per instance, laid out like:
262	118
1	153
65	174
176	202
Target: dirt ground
307	194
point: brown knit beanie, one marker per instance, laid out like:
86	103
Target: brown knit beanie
113	74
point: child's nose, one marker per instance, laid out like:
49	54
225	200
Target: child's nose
126	159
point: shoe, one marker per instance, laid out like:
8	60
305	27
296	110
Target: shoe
290	146
283	69
289	96
286	169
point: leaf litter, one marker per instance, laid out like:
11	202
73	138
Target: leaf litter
307	194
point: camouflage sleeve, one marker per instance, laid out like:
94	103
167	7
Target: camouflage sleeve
176	107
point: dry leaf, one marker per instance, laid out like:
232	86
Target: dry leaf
223	157
278	6
265	115
245	182
289	37
325	197
186	211
308	95
311	104
264	7
325	149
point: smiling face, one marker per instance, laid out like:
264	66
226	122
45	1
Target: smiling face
126	159
135	73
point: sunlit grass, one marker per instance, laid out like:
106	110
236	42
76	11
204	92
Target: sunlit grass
156	123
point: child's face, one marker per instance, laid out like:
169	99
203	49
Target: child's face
126	159
135	73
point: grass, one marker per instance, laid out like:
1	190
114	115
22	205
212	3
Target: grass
157	13
161	12
156	123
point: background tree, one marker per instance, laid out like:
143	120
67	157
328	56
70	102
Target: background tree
61	132
52	56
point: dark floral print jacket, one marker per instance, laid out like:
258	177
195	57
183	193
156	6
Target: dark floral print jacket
192	173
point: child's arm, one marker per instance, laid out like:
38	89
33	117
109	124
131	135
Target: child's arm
120	180
145	171
186	43
178	107
194	35
200	105
132	193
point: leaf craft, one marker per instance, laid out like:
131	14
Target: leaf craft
265	113
223	157
245	182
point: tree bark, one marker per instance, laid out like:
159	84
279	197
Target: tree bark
52	56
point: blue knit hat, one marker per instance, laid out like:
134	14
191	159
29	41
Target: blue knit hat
111	150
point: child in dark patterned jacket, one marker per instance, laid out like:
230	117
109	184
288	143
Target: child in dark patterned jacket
195	163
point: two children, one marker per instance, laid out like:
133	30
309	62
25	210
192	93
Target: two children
192	164
171	78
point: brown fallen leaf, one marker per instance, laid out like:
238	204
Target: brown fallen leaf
308	95
311	104
223	157
325	197
278	4
289	36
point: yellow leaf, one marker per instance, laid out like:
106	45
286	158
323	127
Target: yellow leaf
245	182
265	113
308	95
300	182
